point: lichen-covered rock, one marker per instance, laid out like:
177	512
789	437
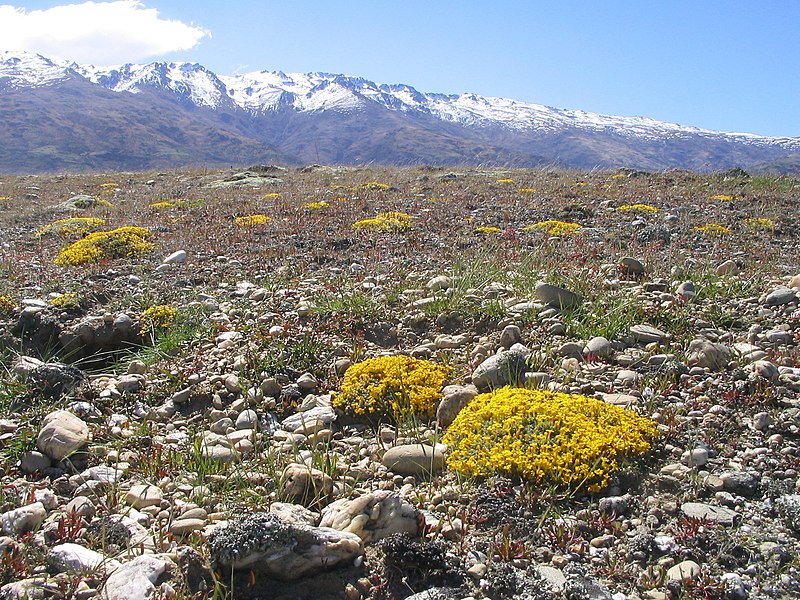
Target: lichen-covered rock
137	579
372	517
262	542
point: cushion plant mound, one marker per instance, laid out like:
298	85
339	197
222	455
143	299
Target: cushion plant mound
566	440
123	241
391	387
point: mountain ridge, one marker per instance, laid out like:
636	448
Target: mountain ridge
294	115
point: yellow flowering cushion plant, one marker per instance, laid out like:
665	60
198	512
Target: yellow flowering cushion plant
388	221
554	227
391	387
124	241
567	440
74	226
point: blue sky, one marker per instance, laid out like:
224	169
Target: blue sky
724	65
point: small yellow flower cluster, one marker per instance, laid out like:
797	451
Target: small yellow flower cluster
167	204
374	185
124	241
65	301
722	197
713	229
566	440
73	226
5	199
7	304
504	181
388	221
488	229
160	316
618	176
554	227
252	220
321	205
759	224
526	190
271	196
109	185
391	387
640	208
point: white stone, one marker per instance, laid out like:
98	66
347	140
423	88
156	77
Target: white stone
176	258
135	580
144	495
62	434
23	519
74	558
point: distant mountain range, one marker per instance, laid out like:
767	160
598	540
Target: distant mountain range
59	116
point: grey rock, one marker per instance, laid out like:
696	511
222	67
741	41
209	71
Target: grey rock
729	267
324	415
74	558
709	512
454	398
696	457
598	346
22	520
33	461
780	296
306	485
372	516
684	571
686	291
415	459
505	368
645	334
556	296
788	507
706	354
136	580
262	542
62	434
631	267
510	335
247	419
176	258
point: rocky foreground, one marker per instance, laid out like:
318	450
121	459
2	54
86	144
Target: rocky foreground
168	416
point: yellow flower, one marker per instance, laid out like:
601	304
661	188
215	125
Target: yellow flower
73	226
722	197
640	208
124	241
554	227
165	204
251	220
713	229
567	440
322	205
759	224
271	195
66	301
488	229
526	190
617	176
160	316
388	221
391	387
505	181
375	185
7	303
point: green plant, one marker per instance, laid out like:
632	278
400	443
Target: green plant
391	387
568	440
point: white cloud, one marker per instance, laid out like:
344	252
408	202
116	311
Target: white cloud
100	33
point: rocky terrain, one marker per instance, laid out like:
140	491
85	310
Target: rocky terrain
172	346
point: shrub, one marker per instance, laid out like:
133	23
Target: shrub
759	224
7	304
161	316
388	221
74	226
251	220
554	227
713	229
391	387
124	241
166	204
639	208
566	440
66	302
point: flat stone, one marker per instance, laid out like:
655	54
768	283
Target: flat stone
415	459
183	526
23	519
708	512
623	400
598	346
144	495
684	571
706	354
780	296
136	580
324	415
176	258
74	558
729	267
645	334
556	296
631	267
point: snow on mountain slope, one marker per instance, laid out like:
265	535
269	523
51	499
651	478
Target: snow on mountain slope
24	69
265	91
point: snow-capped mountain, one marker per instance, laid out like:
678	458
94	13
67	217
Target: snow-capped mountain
353	120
